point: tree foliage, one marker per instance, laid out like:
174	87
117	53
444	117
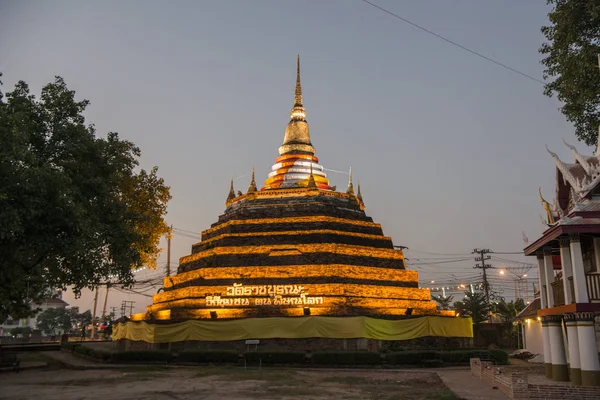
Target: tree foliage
444	303
74	208
52	320
473	305
571	58
508	311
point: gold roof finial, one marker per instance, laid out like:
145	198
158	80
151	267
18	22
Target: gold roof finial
252	187
231	194
297	135
358	193
547	207
298	94
350	189
298	113
311	179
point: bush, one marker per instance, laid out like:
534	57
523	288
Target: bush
211	356
500	356
84	350
152	355
458	356
411	357
70	345
103	355
276	357
345	358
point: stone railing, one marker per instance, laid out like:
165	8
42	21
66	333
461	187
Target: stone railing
516	385
486	371
593	286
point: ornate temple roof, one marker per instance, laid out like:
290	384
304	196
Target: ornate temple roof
576	205
582	176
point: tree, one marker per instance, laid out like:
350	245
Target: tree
75	208
508	311
474	306
444	303
572	60
51	319
21	331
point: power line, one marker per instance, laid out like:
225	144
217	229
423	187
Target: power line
185	231
436	254
453	42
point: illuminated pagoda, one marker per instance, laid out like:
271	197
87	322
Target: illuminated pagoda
294	260
294	247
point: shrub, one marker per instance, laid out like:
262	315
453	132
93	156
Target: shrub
83	350
411	357
70	345
210	356
500	356
151	355
458	356
100	354
345	358
276	357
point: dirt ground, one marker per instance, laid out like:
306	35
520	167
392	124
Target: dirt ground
213	383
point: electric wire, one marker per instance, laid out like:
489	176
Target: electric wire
454	43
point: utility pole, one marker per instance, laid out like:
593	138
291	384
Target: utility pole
124	305
105	300
169	236
131	303
483	257
92	335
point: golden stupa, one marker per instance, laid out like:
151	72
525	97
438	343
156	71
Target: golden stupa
296	247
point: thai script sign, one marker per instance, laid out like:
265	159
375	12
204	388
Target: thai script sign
295	295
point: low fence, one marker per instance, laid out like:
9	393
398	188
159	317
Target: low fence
516	384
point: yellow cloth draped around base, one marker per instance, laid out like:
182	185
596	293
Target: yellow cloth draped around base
294	328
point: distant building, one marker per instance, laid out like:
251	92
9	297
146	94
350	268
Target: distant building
30	322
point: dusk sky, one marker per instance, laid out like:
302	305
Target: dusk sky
448	147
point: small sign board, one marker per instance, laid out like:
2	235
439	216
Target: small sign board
253	341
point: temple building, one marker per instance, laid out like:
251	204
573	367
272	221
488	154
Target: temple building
297	247
568	258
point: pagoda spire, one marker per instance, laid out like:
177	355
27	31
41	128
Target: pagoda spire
350	189
298	113
231	194
298	94
297	136
252	187
358	193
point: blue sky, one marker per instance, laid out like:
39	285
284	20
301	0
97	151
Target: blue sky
449	148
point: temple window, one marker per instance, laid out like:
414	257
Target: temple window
588	253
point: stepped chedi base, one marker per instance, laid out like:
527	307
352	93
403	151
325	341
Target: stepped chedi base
294	248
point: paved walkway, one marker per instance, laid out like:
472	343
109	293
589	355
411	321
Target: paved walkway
467	386
71	361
